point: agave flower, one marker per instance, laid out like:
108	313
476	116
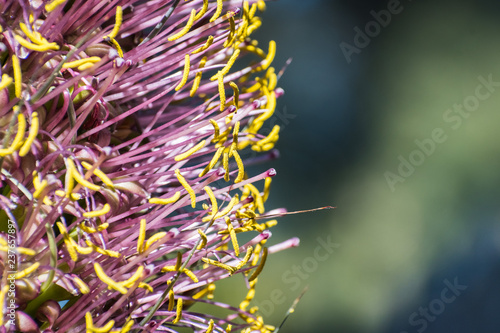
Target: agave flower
124	127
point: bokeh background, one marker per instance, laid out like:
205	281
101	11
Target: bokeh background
422	254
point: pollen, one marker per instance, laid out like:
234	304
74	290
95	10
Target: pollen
27	271
213	200
202	11
188	188
228	268
218	11
166	201
80	62
228	66
203	240
107	280
103	211
222	92
33	132
178	312
234	239
245	259
241	170
118	23
197	78
236	93
82	286
6	81
184	30
70	165
260	267
185	73
16	65
205	46
53	5
216	130
210	326
190	152
153	239
36	47
142	236
101	175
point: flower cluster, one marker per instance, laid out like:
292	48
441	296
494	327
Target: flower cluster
124	128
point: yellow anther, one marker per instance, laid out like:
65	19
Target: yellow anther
178	312
257	197
190	152
228	268
118	23
269	58
142	236
212	163
229	328
104	329
101	175
222	92
236	93
89	323
178	262
241	170
225	165
232	32
16	65
73	196
216	129
197	78
245	259
107	280
253	88
234	239
70	165
236	131
166	201
109	253
271	138
21	130
185	73
82	286
203	240
76	63
228	66
210	327
171	300
213	200
6	81
85	66
25	251
53	5
128	325
3	292
27	271
35	47
260	267
202	11
31	136
40	189
188	188
267	186
156	237
133	279
230	205
218	11
117	46
184	30
251	12
261	4
95	213
34	36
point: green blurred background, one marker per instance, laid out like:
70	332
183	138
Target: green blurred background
396	248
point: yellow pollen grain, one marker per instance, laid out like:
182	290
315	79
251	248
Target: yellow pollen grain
197	78
186	185
82	286
27	271
16	65
36	47
178	311
241	170
142	236
213	200
190	152
156	237
228	66
70	165
79	62
218	11
107	280
236	93
95	213
185	73
118	22
203	239
184	30
100	174
202	11
33	132
228	268
6	81
53	5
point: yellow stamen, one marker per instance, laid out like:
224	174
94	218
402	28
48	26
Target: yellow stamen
3	292
105	329
82	286
251	12
40	189
27	271
210	326
36	47
117	46
245	259
236	93
128	325
188	188
166	201
272	137
213	200
228	268
6	81
232	32
95	213
202	11
109	253
142	236
184	30
222	92
267	186
21	130
156	237
101	175
212	163
229	328
133	279
16	65
35	37
178	262
31	136
261	4
190	152
197	78
216	129
218	11
234	239
81	249
118	23
269	58
228	66
70	165
89	323
241	170
178	312
76	63
273	81
185	74
85	66
53	5
204	46
203	240
171	300
107	280
260	267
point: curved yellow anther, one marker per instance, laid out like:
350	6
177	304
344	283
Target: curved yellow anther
117	46
107	280
34	36
165	201
70	165
128	325
16	65
36	47
212	163
202	11
156	237
101	175
142	236
79	62
6	81
133	279
260	267
216	129
21	131
31	136
26	251
27	271
104	329
178	315
261	4
3	292
118	23
53	5
267	186
218	11
234	239
81	249
190	152
241	170
228	268
245	259
203	239
269	58
228	66
85	66
232	32
171	300
229	328
210	327
82	286
225	165
213	200
186	185
185	73
272	137
236	93
184	30
109	253
40	189
222	92
197	78
95	213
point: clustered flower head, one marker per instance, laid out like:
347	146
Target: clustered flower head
125	130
